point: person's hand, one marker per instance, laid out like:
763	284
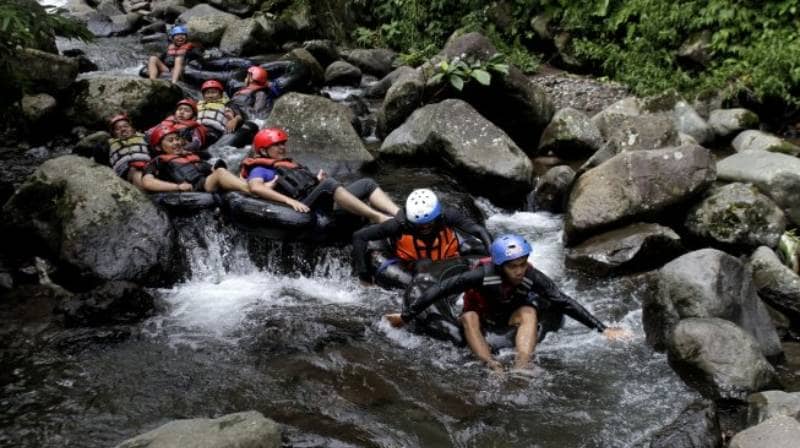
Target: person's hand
298	206
230	126
495	366
184	186
617	334
395	320
322	175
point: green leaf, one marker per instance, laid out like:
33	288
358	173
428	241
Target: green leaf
457	82
482	76
500	68
436	78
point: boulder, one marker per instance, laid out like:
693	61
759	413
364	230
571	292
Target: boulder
375	61
115	302
378	89
455	134
43	72
401	100
777	432
719	359
776	175
727	122
552	190
317	127
752	140
626	107
696	427
689	122
736	216
249	36
513	102
323	50
37	107
307	60
637	247
94	145
772	403
97	225
777	285
240	430
707	283
634	186
570	135
341	73
207	23
634	133
79	9
99	97
238	7
109	7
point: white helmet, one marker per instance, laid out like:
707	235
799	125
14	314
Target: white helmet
422	206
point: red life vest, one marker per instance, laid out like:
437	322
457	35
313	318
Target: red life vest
180	159
250	89
186	124
252	162
444	246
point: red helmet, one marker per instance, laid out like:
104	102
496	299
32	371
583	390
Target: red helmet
211	84
258	75
119	117
160	132
188	102
268	137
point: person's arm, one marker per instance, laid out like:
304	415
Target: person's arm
260	103
266	190
547	288
362	238
456	284
152	184
466	224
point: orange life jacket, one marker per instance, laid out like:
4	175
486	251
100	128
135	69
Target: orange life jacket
444	246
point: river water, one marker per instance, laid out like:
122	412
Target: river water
294	336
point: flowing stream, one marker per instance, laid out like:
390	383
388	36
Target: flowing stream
294	336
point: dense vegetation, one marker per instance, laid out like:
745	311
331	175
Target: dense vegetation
753	46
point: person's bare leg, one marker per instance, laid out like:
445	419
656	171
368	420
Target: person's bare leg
225	180
155	67
524	318
381	201
352	204
177	69
472	332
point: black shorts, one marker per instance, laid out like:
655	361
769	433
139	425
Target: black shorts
321	197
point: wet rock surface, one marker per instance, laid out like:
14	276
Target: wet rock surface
777	285
777	432
696	427
582	93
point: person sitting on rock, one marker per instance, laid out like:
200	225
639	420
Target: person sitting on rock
502	291
128	153
274	176
191	130
258	94
178	54
423	230
176	169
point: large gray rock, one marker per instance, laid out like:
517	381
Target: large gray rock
239	7
696	427
341	73
240	430
772	403
115	302
317	127
777	285
707	283
513	102
95	223
43	72
634	133
776	175
249	36
457	135
777	432
626	107
570	135
636	185
313	66
737	215
99	97
36	107
323	50
637	247
402	99
207	23
726	122
375	61
719	359
552	190
378	89
689	122
752	140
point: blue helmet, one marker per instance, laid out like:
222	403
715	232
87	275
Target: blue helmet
422	206
509	247
178	29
